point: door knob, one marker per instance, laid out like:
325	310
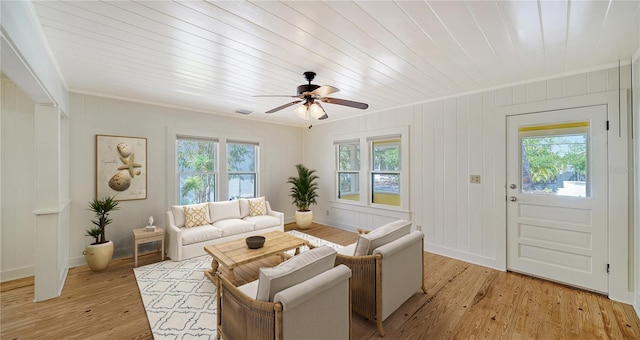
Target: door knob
513	186
513	198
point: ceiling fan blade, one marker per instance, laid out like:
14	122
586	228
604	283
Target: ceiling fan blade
325	90
283	106
324	117
345	102
276	95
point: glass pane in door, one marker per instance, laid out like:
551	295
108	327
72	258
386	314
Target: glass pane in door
555	159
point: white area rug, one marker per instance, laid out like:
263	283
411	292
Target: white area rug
180	300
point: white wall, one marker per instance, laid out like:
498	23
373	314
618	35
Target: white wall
450	140
91	115
18	184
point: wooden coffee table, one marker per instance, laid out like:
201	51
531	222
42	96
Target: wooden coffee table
235	253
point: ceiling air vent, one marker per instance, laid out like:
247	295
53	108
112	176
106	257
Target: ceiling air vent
243	111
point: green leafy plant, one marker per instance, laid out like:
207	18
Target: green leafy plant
304	189
101	208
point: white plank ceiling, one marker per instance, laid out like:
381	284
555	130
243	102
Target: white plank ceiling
215	56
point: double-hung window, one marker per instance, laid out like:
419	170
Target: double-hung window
196	170
385	171
372	168
241	169
348	174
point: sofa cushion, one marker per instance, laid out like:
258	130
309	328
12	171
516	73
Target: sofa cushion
244	207
382	235
224	210
195	216
293	271
232	226
200	234
257	207
178	213
263	222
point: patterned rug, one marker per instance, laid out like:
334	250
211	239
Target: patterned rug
180	300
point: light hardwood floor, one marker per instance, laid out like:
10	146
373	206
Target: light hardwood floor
463	301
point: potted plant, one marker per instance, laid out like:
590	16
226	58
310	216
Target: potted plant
304	193
99	253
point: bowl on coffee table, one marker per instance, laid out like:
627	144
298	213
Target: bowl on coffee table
255	242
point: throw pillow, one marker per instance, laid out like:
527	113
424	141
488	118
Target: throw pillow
257	207
293	271
195	216
178	213
381	235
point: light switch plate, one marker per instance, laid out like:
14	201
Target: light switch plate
475	179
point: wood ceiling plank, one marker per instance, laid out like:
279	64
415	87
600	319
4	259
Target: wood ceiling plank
554	32
617	30
489	17
523	23
391	32
463	30
439	47
585	23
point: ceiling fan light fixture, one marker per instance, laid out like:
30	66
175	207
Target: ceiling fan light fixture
302	112
316	111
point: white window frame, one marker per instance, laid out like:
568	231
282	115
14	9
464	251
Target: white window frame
372	171
255	172
216	152
339	171
366	189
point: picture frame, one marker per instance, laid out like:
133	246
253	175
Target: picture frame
121	167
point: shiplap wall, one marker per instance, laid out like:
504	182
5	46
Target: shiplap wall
18	223
450	140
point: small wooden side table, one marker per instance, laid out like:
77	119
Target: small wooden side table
141	235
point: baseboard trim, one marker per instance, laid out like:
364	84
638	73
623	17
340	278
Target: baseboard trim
464	256
18	273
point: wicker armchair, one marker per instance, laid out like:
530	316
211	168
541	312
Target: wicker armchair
385	279
318	308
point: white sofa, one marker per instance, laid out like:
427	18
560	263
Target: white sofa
225	221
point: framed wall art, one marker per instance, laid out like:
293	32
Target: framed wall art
121	167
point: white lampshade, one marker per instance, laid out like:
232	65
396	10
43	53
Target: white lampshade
301	111
316	111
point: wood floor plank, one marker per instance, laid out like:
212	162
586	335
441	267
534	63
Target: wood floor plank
463	301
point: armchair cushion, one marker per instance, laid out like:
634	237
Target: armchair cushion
293	271
381	235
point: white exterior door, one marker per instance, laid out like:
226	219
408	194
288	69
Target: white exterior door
557	196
